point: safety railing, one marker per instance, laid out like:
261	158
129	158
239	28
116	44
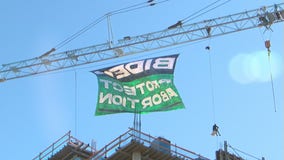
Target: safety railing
121	141
147	140
49	151
59	144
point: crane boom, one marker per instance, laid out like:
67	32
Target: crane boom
174	35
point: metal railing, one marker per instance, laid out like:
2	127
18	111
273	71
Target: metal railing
49	151
146	140
121	141
59	144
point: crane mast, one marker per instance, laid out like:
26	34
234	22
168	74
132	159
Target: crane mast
174	35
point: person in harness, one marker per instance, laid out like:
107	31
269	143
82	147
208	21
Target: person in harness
215	131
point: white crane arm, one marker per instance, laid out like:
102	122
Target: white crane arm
174	35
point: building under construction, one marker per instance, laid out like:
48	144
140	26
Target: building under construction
131	145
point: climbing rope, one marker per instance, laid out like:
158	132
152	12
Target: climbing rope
208	29
211	81
215	129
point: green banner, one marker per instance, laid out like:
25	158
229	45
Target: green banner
138	87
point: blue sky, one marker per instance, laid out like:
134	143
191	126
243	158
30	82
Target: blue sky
37	110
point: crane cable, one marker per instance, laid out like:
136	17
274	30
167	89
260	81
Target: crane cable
267	22
198	14
209	5
267	45
76	102
92	24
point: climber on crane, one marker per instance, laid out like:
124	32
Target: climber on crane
215	131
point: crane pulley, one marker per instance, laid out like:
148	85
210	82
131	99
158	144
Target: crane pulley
174	35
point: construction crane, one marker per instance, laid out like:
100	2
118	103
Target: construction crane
174	35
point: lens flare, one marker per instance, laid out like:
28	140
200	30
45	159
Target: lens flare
254	67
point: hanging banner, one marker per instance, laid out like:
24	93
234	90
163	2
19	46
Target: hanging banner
138	87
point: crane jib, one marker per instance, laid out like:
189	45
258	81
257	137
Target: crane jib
175	35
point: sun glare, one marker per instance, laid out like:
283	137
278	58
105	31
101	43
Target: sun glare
254	67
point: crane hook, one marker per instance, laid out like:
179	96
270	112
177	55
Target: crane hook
267	45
